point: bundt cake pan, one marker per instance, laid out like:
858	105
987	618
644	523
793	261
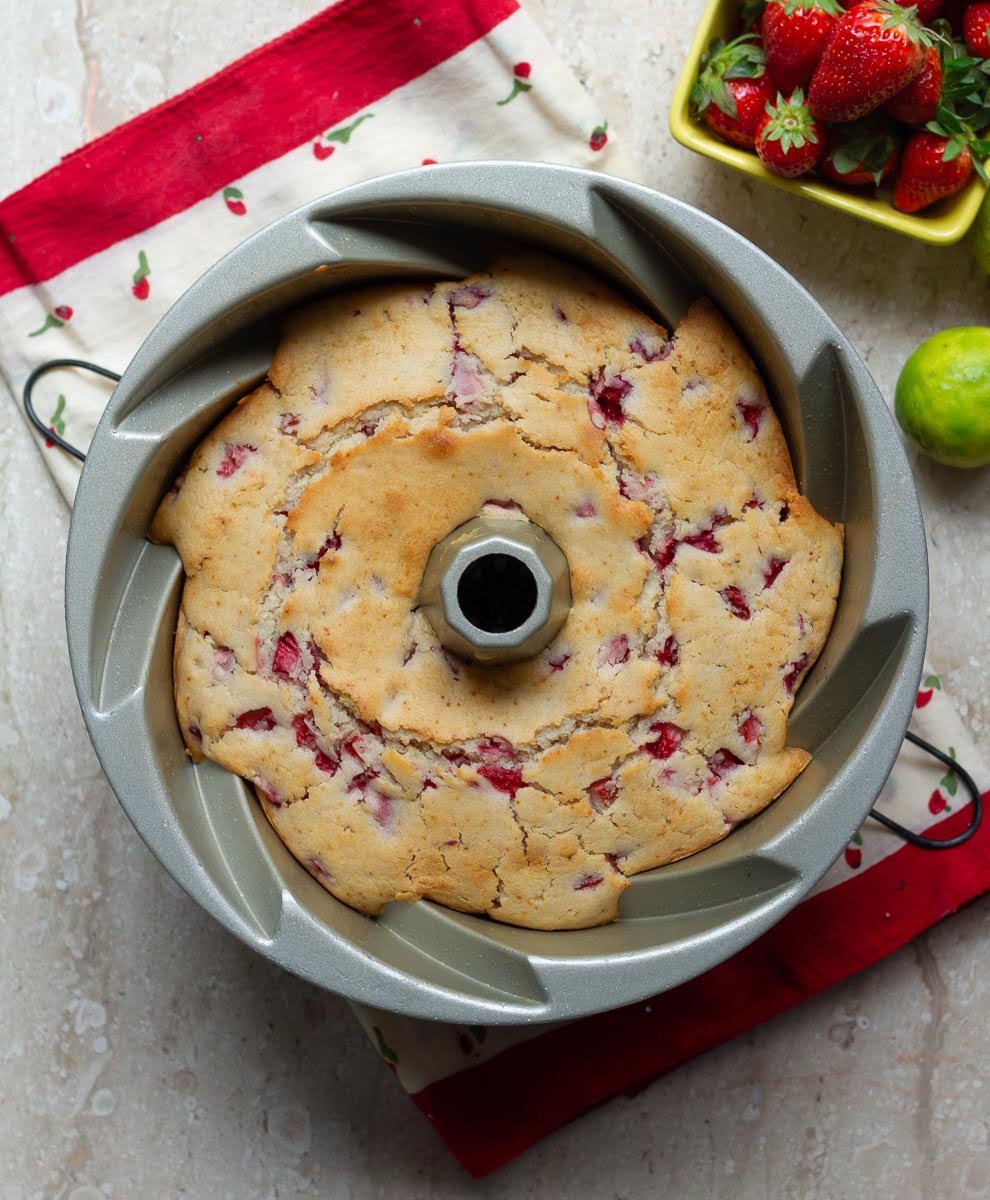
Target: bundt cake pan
122	594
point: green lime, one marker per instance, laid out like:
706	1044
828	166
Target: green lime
979	235
943	397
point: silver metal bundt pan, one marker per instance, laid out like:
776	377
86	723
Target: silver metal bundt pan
122	594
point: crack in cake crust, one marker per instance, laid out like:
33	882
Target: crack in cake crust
656	720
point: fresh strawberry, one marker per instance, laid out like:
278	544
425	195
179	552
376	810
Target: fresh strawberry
917	104
976	29
789	140
794	36
875	51
931	169
861	154
732	91
965	89
751	97
941	161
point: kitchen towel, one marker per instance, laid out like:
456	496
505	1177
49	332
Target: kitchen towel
95	251
493	1092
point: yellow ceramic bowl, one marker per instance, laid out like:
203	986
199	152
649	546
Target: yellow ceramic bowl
941	225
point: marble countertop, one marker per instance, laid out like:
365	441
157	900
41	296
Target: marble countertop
145	1052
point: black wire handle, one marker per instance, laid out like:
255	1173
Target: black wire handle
916	839
919	839
51	365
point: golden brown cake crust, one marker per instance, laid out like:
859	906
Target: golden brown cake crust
704	586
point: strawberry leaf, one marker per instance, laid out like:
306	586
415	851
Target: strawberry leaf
749	63
948	780
867	145
905	21
832	7
742	58
844	160
723	98
965	91
791	123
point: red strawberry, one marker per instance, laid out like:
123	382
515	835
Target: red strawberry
522	69
793	673
667	743
63	312
322	152
924	698
503	779
751	97
976	30
875	51
854	857
736	602
789	140
927	175
234	199
937	803
603	793
732	91
861	154
752	729
141	285
794	36
599	136
917	104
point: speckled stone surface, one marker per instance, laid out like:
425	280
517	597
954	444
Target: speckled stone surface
143	1052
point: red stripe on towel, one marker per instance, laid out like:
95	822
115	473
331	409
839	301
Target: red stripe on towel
257	109
490	1113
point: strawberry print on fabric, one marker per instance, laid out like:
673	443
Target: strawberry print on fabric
521	73
53	320
599	136
339	136
949	780
937	803
141	288
932	685
56	422
234	199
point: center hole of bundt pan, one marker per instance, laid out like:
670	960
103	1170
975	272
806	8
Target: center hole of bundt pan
497	593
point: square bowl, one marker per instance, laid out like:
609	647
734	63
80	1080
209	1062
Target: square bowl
942	225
